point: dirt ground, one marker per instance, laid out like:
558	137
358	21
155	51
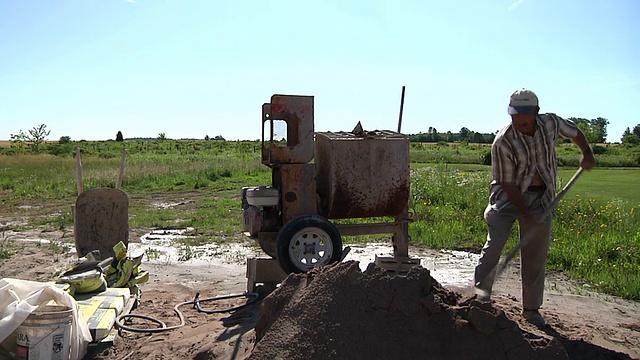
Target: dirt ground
586	324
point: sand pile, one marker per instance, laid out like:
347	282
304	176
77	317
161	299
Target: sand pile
340	312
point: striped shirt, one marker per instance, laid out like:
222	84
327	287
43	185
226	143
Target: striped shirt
516	157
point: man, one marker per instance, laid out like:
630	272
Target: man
523	160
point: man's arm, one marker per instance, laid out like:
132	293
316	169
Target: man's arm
515	197
587	161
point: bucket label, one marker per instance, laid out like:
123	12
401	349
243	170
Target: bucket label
23	338
58	346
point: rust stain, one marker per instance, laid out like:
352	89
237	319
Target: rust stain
348	203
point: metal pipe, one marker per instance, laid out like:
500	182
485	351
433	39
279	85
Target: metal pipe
401	110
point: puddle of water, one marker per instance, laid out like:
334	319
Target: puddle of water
170	205
28	207
163	247
449	268
452	268
67	247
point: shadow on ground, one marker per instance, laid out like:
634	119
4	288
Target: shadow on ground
582	350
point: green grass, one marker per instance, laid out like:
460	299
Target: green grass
448	204
596	233
7	247
606	184
150	166
600	243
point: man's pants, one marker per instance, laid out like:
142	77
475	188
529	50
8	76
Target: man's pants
534	238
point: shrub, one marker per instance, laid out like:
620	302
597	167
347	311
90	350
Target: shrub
599	150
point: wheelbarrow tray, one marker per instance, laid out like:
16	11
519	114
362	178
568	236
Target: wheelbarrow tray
101	220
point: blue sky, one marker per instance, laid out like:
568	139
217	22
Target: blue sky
90	68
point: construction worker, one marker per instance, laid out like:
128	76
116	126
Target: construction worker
523	160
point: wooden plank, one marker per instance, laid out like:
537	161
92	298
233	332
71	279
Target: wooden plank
265	271
397	265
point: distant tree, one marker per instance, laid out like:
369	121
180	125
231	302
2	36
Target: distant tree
488	138
206	138
449	137
64	140
464	133
599	129
434	135
119	137
595	130
36	136
631	138
218	137
477	137
420	137
626	132
18	140
162	136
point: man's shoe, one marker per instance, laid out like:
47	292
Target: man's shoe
534	317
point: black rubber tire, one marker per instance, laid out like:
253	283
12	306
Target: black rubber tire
268	246
307	241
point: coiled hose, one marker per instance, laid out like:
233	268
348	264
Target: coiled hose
253	297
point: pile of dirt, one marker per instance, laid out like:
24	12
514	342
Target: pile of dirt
342	312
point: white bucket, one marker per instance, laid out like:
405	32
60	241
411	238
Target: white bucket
45	334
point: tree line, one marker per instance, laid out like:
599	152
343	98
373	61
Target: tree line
595	130
465	135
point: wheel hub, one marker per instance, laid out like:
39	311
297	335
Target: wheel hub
310	249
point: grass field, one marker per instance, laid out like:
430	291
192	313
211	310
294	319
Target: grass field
607	184
596	233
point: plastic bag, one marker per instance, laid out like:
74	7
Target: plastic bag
19	298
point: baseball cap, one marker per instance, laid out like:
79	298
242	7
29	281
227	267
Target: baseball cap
523	101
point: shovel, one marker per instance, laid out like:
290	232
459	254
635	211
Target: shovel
502	265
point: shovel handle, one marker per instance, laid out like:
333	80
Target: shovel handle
562	193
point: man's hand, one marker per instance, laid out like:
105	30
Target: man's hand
587	161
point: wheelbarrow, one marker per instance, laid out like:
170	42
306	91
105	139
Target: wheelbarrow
101	216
